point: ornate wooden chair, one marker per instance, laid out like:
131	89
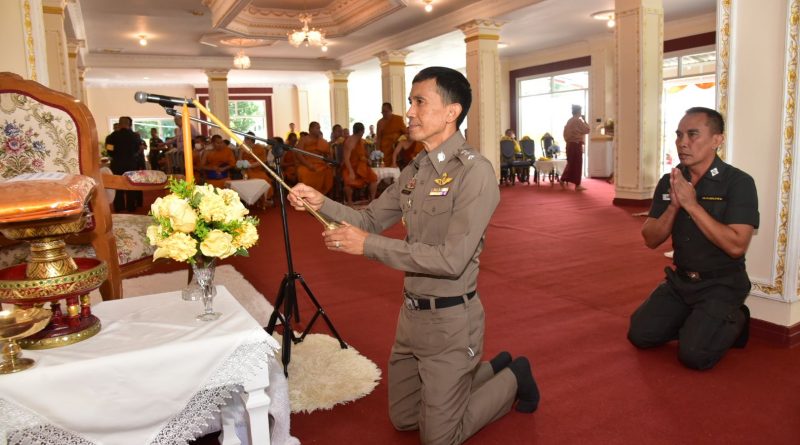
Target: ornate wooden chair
45	130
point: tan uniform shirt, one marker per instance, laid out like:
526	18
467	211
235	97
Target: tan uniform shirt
445	221
576	129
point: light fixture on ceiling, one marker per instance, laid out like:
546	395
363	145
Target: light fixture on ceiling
607	15
501	45
142	40
241	61
428	5
312	36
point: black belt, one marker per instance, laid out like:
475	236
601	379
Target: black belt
717	273
424	304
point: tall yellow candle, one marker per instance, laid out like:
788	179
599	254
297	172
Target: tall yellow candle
187	143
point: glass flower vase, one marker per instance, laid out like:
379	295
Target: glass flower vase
202	287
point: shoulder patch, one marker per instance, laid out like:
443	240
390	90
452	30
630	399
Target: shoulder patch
466	155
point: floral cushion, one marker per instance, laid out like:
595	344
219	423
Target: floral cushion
35	138
129	232
146	177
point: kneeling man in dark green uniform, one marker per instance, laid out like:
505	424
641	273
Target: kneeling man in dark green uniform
710	209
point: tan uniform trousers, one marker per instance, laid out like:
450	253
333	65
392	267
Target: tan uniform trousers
437	383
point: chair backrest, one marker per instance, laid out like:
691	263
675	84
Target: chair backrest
48	131
507	149
527	148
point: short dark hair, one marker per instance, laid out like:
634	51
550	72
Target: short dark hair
387	104
358	127
452	85
715	120
126	119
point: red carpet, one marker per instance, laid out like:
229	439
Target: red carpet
560	275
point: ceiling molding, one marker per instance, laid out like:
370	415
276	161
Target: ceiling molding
96	60
434	28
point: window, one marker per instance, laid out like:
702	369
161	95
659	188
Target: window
545	103
248	115
689	81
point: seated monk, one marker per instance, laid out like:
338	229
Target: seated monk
256	171
217	162
405	151
356	172
312	171
288	163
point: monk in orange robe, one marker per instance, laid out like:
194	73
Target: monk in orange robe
217	162
256	171
390	127
356	171
312	171
288	163
405	151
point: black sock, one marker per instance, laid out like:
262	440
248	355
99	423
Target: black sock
744	336
500	361
527	391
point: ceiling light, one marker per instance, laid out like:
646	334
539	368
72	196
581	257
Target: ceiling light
241	61
142	40
607	15
428	5
502	45
312	36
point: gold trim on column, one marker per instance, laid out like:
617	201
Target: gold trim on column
338	80
393	64
29	40
53	10
214	79
482	37
790	107
723	65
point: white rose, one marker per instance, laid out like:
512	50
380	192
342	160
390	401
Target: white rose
246	237
180	213
178	246
212	207
217	244
154	234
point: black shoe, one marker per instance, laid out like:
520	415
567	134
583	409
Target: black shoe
500	361
527	391
744	336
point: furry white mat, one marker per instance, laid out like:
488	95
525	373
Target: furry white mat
321	374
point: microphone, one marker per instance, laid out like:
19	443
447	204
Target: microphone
164	101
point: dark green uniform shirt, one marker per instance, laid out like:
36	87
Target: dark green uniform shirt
729	196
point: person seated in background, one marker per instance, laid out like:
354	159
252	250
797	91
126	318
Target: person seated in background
405	151
356	171
549	147
288	162
217	162
292	131
256	170
337	135
312	171
510	136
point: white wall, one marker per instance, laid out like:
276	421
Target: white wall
284	109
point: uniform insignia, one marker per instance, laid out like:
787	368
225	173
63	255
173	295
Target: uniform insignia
439	191
712	198
714	171
440	157
444	180
411	183
665	197
469	158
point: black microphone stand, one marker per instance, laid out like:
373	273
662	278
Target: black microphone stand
287	293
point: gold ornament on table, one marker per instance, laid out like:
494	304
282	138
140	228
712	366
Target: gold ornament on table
199	224
42	209
16	324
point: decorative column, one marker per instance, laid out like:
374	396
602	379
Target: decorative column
56	44
73	47
639	54
765	35
218	96
483	73
82	84
340	108
393	78
22	34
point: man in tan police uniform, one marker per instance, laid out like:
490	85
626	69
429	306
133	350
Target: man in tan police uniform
445	198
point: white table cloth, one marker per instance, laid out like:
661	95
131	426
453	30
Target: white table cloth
387	173
250	190
547	166
154	374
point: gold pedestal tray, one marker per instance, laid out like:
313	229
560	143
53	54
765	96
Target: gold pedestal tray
15	324
65	328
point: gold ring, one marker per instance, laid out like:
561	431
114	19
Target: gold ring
337	245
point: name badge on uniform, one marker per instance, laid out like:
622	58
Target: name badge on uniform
665	197
712	198
439	191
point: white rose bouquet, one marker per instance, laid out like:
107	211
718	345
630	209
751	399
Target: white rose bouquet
200	222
